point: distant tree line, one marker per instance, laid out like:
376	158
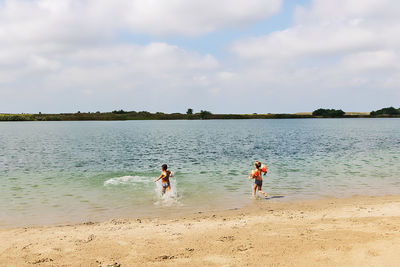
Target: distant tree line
390	111
190	115
119	111
328	113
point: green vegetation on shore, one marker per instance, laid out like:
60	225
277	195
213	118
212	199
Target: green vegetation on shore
142	115
189	115
328	113
386	112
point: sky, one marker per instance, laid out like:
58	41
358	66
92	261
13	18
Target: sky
226	56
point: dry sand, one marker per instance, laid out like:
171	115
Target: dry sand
357	231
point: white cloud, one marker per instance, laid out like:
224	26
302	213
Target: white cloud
308	40
195	17
67	50
107	77
335	51
112	66
66	54
330	28
385	60
80	21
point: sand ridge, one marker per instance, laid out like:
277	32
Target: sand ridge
357	231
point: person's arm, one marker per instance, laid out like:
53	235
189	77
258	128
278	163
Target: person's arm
161	176
251	177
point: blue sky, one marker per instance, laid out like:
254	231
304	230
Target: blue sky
227	57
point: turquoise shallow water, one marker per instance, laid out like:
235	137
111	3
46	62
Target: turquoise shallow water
63	172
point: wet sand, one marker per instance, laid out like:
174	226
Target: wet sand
357	231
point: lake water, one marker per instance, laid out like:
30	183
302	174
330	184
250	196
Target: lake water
66	172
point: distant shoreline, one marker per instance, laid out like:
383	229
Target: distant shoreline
110	116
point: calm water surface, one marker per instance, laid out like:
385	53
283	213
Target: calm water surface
63	172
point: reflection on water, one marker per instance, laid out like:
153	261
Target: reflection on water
56	172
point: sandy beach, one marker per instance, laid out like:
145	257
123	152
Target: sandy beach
357	231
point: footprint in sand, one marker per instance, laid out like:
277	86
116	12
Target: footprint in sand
41	261
165	257
226	238
372	253
244	247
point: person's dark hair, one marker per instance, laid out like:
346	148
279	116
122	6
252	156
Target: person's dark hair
257	164
164	167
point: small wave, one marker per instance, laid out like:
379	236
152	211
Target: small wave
126	180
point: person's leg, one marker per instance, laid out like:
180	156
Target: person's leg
168	188
254	190
163	190
262	192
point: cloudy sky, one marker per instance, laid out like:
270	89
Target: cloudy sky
226	56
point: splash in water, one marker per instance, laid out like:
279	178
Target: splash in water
170	197
126	180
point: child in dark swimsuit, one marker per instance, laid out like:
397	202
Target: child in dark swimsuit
257	176
165	174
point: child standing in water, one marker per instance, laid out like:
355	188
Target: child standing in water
165	174
256	174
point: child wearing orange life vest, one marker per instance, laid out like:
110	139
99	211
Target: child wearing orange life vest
165	174
256	174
